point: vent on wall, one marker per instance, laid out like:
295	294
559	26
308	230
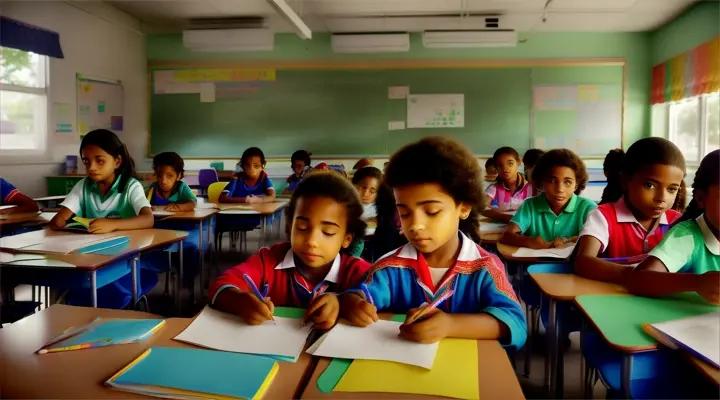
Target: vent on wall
371	43
469	39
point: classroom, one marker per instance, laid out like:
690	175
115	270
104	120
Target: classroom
360	199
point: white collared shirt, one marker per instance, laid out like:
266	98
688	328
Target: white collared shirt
332	276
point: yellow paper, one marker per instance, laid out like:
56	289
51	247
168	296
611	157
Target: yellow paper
454	374
83	221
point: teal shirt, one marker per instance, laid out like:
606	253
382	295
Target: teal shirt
183	194
535	218
690	247
85	200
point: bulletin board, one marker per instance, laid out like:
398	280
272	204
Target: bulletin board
99	105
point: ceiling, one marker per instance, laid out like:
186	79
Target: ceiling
416	15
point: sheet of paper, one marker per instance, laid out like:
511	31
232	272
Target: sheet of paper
162	213
207	92
398	92
396	125
511	212
65	244
379	341
493	227
562	253
7	207
454	374
697	334
206	206
222	331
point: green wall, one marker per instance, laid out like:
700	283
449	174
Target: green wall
633	47
694	27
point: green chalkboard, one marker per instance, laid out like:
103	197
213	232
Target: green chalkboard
340	112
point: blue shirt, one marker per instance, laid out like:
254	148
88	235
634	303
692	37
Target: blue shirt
238	188
181	194
7	191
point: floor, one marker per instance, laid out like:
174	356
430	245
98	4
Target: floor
532	386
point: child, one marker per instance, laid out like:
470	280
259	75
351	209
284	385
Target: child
367	182
438	210
252	185
691	249
10	196
491	173
612	167
530	158
363	162
323	217
300	164
653	171
511	187
169	191
110	195
554	218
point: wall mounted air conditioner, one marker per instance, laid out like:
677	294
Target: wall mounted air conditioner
469	38
371	43
229	40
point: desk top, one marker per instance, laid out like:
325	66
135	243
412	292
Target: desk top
569	286
496	378
51	198
619	319
29	218
262	208
197	214
81	374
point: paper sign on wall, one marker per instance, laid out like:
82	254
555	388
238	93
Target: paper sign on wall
436	111
398	92
207	92
396	125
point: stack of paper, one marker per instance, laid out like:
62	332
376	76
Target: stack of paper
563	252
284	339
103	332
194	373
379	341
64	244
698	335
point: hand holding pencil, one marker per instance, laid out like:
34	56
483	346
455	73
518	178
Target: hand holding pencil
427	323
254	307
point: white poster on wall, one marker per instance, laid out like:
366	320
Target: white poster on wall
436	111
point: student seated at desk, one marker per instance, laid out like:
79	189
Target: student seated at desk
367	181
555	217
631	226
690	251
300	164
252	185
10	196
110	196
439	210
530	159
323	218
168	190
612	169
511	188
491	173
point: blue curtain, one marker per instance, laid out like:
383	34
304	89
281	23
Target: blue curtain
18	35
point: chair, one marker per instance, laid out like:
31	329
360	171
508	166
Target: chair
214	190
206	177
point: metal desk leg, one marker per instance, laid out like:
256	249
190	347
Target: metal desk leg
261	241
134	281
584	375
553	347
182	271
178	285
93	289
626	377
201	260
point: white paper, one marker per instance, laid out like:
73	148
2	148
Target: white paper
396	125
436	111
379	341
66	244
162	213
512	212
7	207
207	92
492	227
398	92
177	87
563	253
699	334
222	331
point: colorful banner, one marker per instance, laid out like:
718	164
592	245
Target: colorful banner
224	75
690	74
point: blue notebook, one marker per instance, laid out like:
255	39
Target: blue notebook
103	332
196	373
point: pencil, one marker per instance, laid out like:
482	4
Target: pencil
257	293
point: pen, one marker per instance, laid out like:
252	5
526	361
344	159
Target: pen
434	304
366	292
260	296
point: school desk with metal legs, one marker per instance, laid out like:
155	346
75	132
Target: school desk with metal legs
619	319
82	373
12	224
262	210
109	263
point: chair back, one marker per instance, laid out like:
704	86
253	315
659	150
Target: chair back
214	191
206	177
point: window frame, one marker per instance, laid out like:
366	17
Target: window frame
702	123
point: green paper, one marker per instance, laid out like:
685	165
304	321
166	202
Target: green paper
289	312
620	318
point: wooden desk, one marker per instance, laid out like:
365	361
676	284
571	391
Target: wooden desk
507	251
496	378
81	374
262	209
565	287
28	217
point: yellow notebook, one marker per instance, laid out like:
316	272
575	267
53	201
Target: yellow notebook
205	374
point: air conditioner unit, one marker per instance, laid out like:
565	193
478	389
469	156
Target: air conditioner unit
465	39
371	43
229	40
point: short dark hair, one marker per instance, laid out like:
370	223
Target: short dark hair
490	162
532	156
560	158
649	151
332	185
171	159
445	162
365	172
506	150
252	152
301	155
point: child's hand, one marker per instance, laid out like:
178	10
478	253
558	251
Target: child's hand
538	243
102	225
709	287
253	200
323	311
173	207
558	243
434	326
358	311
252	310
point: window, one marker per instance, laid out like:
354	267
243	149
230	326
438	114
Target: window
23	102
694	125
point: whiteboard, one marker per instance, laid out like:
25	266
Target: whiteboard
99	105
436	111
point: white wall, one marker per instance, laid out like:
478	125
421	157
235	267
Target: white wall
97	40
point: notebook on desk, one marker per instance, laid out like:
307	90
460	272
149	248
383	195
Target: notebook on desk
103	332
697	335
184	373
